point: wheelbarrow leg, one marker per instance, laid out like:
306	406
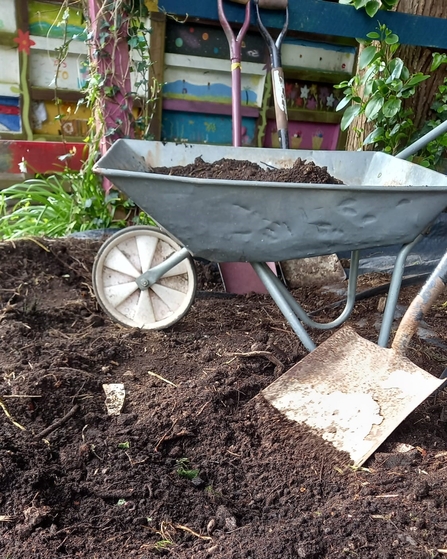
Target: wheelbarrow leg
268	279
393	292
350	299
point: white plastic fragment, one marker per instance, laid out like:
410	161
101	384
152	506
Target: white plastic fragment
115	394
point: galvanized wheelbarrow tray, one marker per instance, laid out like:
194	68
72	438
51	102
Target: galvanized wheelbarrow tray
144	277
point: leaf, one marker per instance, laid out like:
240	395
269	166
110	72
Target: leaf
374	136
343	103
392	39
373	35
373	107
367	56
391	107
15	89
396	66
417	78
438	59
372	7
349	115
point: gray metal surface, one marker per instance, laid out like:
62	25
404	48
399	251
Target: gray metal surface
385	201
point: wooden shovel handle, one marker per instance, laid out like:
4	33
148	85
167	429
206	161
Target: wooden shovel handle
420	305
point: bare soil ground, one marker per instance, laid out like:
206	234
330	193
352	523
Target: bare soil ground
200	466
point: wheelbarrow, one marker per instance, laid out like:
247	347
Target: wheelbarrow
144	277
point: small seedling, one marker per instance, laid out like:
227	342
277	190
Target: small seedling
124	446
162	545
184	471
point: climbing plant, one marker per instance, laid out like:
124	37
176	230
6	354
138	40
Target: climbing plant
121	98
371	7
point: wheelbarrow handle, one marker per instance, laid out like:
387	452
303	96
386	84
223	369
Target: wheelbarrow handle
427	295
423	141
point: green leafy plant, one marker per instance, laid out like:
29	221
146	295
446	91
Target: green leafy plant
184	471
57	205
378	92
433	154
371	7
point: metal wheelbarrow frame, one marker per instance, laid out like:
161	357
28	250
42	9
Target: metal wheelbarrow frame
384	201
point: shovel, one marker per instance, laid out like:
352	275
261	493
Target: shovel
354	393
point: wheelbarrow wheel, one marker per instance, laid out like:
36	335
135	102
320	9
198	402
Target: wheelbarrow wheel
124	257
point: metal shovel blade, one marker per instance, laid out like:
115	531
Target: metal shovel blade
351	392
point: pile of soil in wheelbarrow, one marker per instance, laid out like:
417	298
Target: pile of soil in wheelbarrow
196	465
232	169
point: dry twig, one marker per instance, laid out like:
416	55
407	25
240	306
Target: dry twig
57	423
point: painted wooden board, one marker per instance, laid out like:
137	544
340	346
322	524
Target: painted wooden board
45	120
201	128
73	71
9	68
311	96
323	18
210	42
8	16
46	20
318	56
207	79
10	118
305	135
42	157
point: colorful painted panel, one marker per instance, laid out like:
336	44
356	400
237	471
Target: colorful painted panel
8	16
311	96
200	128
211	42
72	73
45	119
195	78
318	56
47	20
305	135
10	120
40	157
9	67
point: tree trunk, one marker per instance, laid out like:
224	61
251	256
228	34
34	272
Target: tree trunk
417	59
354	138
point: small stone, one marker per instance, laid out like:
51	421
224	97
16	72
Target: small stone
211	526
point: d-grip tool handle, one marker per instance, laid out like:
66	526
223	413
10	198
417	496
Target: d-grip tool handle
280	102
268	4
427	295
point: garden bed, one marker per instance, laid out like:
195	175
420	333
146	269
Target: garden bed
196	465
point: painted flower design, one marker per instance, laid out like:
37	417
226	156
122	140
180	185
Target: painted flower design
330	100
24	41
304	92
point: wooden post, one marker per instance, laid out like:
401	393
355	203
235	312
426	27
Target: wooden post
111	58
156	71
